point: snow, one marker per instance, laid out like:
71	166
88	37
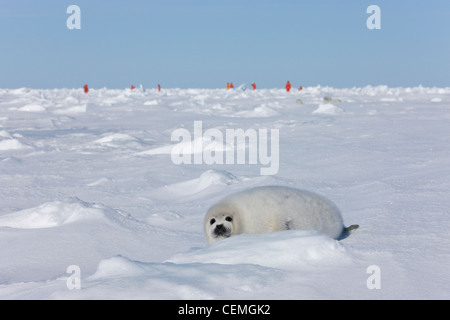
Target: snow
49	215
87	180
10	144
284	250
328	109
32	108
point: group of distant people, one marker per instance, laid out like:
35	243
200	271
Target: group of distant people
230	85
289	87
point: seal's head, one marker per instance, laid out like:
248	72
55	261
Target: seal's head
218	225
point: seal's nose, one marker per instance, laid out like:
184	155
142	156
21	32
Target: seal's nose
220	229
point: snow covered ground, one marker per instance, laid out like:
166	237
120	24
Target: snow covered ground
91	198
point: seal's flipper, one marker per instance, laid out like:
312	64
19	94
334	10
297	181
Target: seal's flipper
346	231
351	228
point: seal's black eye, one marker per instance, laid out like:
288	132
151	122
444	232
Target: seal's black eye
212	220
229	219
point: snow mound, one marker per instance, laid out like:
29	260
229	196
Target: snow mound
72	110
206	181
151	103
117	266
241	266
7	142
119	277
99	182
197	145
51	214
163	150
211	177
281	250
11	144
32	108
115	140
263	111
329	109
114	137
5	134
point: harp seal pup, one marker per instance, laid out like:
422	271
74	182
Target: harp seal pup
270	209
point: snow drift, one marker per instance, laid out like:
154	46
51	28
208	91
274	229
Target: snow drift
48	215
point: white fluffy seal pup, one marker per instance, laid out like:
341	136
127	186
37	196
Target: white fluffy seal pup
270	209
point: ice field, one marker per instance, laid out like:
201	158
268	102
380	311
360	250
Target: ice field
88	183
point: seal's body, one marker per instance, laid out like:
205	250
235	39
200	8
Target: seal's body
270	209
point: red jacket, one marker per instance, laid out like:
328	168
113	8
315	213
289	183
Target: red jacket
288	86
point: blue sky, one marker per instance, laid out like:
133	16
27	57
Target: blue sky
207	43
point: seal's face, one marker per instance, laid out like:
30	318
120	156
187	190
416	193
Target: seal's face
220	226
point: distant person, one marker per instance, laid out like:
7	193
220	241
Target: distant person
86	89
228	86
300	89
159	88
254	86
288	86
231	85
132	87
